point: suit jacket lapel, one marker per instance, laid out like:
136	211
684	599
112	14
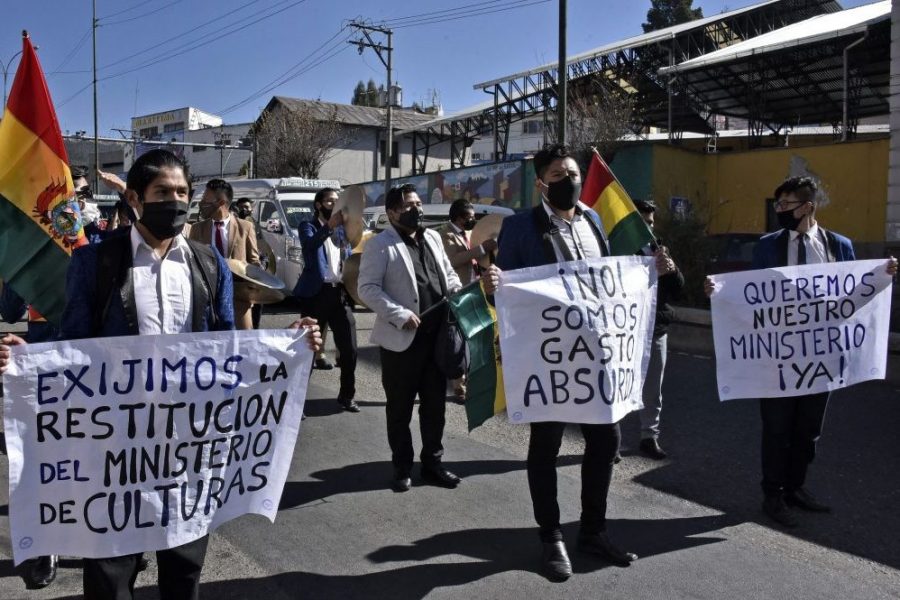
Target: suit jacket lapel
233	233
404	254
781	248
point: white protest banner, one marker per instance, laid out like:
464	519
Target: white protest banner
575	338
800	330
137	443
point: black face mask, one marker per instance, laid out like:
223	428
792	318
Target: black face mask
787	220
326	212
244	213
469	225
411	219
563	194
164	220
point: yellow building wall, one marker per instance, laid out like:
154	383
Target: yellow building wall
730	189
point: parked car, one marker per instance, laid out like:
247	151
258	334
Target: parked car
731	252
279	206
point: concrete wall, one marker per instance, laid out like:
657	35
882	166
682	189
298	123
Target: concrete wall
731	188
892	218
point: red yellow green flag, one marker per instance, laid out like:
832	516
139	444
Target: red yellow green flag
624	226
40	223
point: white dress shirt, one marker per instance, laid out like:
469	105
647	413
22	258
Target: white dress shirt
333	254
162	286
816	252
578	235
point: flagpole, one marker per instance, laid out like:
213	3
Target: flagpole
96	184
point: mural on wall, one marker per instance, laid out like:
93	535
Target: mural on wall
497	184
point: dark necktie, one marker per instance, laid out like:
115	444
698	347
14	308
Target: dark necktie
801	249
220	237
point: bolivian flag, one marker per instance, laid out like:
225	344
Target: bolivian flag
40	223
624	225
477	320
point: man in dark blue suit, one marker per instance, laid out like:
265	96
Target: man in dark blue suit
320	290
792	426
561	229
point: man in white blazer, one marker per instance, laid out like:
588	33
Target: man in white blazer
404	277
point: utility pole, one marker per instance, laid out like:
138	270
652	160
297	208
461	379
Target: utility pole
562	71
384	55
96	131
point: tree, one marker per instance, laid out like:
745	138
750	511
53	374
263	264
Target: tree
359	94
666	13
598	115
297	142
372	93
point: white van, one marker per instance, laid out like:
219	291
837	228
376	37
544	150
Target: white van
279	206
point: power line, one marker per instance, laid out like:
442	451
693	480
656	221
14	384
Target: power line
446	10
333	49
217	35
115	14
140	16
469	14
183	33
71	53
75	95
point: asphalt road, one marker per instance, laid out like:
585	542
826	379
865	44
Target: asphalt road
693	519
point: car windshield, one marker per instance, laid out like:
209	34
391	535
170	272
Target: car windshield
297	211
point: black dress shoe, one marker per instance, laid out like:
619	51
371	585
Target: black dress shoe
440	476
805	501
650	447
323	364
555	563
617	458
401	481
599	544
349	405
42	571
776	509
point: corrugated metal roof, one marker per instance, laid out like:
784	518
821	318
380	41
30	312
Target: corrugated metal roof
364	116
816	29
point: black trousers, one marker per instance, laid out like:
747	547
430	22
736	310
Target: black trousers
790	429
179	573
331	307
600	445
405	375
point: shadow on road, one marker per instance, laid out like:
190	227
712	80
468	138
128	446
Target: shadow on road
714	449
493	551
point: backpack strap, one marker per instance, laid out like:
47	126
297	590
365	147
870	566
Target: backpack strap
204	279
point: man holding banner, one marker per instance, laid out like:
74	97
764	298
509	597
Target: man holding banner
557	232
816	326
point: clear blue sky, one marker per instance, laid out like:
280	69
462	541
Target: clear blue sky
225	58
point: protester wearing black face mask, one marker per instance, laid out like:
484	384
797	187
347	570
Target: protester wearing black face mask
403	277
245	208
792	426
464	257
560	230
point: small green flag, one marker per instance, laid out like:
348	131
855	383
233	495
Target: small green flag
477	320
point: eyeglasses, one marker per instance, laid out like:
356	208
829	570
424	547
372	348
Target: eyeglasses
783	205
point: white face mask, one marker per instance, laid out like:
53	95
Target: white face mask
90	213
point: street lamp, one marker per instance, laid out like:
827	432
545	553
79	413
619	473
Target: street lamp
6	72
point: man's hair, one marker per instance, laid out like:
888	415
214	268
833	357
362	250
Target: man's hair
458	207
79	171
645	206
320	195
549	154
239	200
220	185
394	198
147	167
804	188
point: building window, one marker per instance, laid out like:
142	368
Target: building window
170	127
532	127
198	148
476	156
149	132
395	154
